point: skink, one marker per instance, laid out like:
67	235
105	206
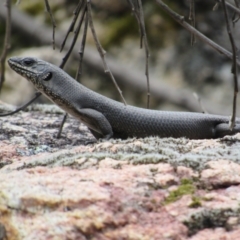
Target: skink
107	118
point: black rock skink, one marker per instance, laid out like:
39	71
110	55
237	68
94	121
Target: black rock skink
107	118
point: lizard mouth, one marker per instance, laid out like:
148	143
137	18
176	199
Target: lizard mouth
20	69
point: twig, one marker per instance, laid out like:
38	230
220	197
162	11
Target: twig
144	36
234	67
235	9
65	58
101	50
61	125
81	51
138	13
236	16
37	94
53	22
71	27
200	102
215	7
129	77
192	18
7	43
79	71
3	58
180	19
76	33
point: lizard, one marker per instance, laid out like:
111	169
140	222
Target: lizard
107	118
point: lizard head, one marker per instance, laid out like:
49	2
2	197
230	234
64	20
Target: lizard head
33	69
47	78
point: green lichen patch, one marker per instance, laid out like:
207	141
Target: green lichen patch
196	202
186	188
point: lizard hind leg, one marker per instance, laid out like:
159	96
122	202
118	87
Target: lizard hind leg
96	122
99	135
223	129
95	134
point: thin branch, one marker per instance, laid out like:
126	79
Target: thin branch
180	19
79	72
71	27
138	13
235	9
7	43
192	18
61	125
65	58
147	73
101	50
3	58
53	22
76	33
215	7
81	51
37	94
129	77
236	16
144	36
234	67
200	102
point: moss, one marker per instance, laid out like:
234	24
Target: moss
186	187
196	202
207	199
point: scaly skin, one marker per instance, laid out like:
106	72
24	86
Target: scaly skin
107	118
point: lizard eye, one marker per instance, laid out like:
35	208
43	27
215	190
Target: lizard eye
28	62
47	76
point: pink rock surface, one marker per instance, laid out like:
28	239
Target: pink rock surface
134	189
101	203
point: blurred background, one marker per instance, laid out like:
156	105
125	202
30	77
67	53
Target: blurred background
176	68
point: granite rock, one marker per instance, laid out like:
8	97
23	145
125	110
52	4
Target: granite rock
76	187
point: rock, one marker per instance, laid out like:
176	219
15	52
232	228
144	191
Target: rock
148	188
